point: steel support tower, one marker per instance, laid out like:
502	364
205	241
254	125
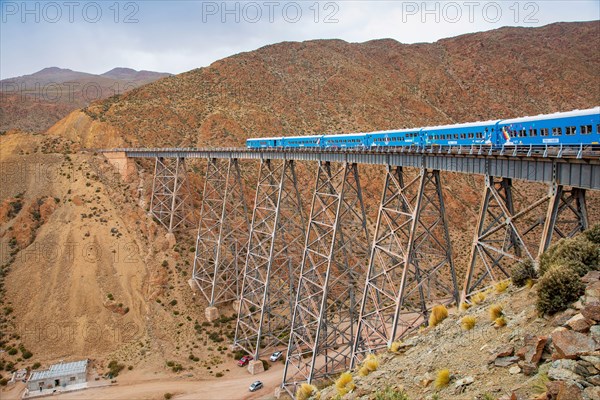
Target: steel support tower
222	234
331	279
506	234
410	268
170	193
273	261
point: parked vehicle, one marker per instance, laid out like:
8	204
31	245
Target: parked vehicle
276	356
244	361
255	386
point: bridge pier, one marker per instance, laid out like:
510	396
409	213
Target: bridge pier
410	267
170	193
275	246
331	279
505	236
222	235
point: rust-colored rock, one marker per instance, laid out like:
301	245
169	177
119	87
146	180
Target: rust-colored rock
532	350
579	323
563	390
591	311
590	277
570	344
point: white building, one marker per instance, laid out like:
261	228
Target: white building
58	375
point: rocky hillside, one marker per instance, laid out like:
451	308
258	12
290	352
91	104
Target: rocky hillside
499	348
37	101
329	86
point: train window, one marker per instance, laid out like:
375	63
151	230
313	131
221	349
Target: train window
598	129
513	133
523	133
557	131
571	130
585	129
471	135
533	132
544	132
456	136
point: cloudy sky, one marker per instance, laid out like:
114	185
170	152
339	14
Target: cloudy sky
176	36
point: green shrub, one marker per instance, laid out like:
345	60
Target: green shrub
168	396
390	394
577	249
114	368
522	272
36	365
557	289
593	234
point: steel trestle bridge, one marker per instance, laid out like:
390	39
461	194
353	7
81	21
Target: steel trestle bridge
319	284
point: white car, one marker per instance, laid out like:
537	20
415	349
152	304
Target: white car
276	356
255	386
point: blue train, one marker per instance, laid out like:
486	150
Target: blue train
573	128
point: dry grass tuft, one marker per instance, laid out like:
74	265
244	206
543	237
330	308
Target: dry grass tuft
305	391
370	364
495	312
438	314
499	322
501	287
442	379
478	298
464	306
395	346
530	283
468	322
345	383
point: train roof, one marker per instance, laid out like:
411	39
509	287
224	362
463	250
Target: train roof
266	138
465	125
342	135
574	113
304	137
387	132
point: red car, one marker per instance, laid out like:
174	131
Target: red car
244	361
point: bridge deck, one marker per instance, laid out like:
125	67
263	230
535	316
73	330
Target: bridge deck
569	166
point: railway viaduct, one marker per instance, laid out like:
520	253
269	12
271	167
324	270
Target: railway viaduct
319	284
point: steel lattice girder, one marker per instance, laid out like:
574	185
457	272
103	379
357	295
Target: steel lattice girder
567	215
504	236
410	268
331	278
170	193
222	233
274	255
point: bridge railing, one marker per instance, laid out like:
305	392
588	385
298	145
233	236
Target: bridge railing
543	151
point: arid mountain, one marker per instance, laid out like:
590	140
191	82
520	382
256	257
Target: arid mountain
329	86
35	102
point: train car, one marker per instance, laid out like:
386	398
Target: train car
302	141
570	128
396	138
261	143
472	133
345	141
